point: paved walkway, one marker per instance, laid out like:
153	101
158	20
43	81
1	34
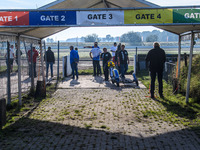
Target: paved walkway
79	116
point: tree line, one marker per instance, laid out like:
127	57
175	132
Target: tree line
134	38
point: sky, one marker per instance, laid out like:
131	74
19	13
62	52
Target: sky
75	32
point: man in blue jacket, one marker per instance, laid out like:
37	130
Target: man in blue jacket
74	59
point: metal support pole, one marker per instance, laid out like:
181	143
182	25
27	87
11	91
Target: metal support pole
136	60
179	55
32	71
19	70
135	64
58	61
26	51
8	74
42	60
190	66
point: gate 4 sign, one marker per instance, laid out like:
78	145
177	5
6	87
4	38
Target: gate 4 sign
148	16
14	18
88	18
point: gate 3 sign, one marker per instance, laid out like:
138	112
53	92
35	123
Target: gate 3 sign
99	18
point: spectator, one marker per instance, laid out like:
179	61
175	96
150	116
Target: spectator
76	49
34	55
113	50
12	56
74	59
123	61
95	43
50	60
117	57
106	57
157	58
16	54
95	56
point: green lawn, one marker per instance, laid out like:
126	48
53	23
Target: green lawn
187	114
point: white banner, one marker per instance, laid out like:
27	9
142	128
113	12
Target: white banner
96	18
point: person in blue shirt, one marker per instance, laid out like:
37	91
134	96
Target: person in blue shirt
95	63
74	59
95	56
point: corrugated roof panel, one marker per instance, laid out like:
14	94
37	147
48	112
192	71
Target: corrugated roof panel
44	32
75	4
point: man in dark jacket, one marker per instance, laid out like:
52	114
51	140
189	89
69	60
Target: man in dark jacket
123	61
106	57
50	60
157	58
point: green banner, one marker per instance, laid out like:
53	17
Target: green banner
186	15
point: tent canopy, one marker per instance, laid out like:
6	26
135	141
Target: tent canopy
45	31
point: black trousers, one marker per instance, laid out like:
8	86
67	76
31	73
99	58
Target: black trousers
106	72
96	67
160	83
34	70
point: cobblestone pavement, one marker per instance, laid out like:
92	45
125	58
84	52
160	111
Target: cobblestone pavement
107	118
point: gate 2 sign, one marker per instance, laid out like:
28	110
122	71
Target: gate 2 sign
52	18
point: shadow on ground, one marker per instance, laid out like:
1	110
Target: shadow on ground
180	110
36	134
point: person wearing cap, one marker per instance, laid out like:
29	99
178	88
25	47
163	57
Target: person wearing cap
156	58
95	56
94	47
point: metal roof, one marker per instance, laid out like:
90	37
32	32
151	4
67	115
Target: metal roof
69	4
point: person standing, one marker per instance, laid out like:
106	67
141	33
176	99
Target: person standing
106	57
74	59
50	60
35	55
157	58
16	54
117	57
12	56
113	50
123	61
95	56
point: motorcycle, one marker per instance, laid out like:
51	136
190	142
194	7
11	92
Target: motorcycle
115	78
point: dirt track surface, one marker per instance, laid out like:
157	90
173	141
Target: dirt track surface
106	118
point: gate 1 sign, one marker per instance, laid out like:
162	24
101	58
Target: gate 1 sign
14	18
95	18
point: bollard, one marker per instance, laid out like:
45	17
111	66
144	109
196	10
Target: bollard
2	112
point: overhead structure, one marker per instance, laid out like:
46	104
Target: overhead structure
62	14
69	4
42	32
